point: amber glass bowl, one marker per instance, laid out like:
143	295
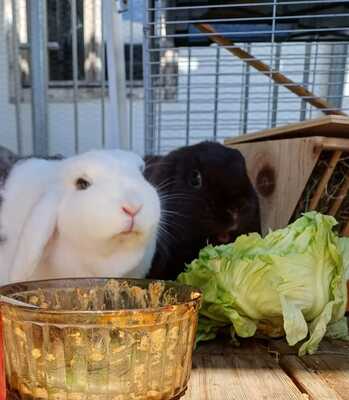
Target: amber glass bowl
98	339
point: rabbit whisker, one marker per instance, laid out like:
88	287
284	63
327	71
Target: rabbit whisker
167	232
164	184
170	212
162	244
172	225
176	196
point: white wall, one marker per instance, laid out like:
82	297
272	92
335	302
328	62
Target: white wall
172	128
231	95
60	114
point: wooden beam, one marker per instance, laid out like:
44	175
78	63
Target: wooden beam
276	76
325	179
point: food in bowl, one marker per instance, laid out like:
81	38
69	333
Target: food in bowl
99	339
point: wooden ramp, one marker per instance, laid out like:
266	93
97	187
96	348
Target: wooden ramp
266	370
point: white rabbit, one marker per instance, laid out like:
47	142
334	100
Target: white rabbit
89	215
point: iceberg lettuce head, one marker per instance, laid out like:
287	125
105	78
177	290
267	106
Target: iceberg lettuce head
292	281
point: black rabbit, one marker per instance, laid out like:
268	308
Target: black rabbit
207	197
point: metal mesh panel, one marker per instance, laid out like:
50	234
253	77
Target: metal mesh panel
15	133
196	89
57	95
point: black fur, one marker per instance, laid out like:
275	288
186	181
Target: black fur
225	206
7	159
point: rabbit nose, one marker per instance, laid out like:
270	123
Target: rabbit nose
131	210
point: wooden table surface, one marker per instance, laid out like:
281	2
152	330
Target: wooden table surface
269	369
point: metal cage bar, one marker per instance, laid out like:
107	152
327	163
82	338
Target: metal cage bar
65	82
75	74
17	80
39	76
214	97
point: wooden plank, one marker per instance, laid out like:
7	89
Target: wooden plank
276	166
265	69
340	197
314	202
308	380
262	369
345	231
240	377
335	144
334	369
330	126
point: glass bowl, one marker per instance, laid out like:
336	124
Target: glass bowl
98	339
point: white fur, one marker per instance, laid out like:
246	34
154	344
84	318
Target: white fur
53	230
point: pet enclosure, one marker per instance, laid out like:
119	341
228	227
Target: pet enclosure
190	70
217	69
70	75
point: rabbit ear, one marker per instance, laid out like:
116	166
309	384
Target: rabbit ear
37	230
27	216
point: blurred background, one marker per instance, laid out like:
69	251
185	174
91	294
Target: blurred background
141	74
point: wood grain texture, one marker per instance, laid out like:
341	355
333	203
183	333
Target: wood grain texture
329	126
333	369
345	232
314	202
265	69
269	369
340	197
285	166
308	380
335	144
239	377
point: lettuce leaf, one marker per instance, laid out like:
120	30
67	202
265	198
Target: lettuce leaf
293	280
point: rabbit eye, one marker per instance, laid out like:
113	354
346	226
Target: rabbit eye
195	179
82	184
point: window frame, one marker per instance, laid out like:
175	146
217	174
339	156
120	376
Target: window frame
62	91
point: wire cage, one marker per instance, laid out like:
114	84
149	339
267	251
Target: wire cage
216	69
71	75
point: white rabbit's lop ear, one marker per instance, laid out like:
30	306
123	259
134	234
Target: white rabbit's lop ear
28	216
37	231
